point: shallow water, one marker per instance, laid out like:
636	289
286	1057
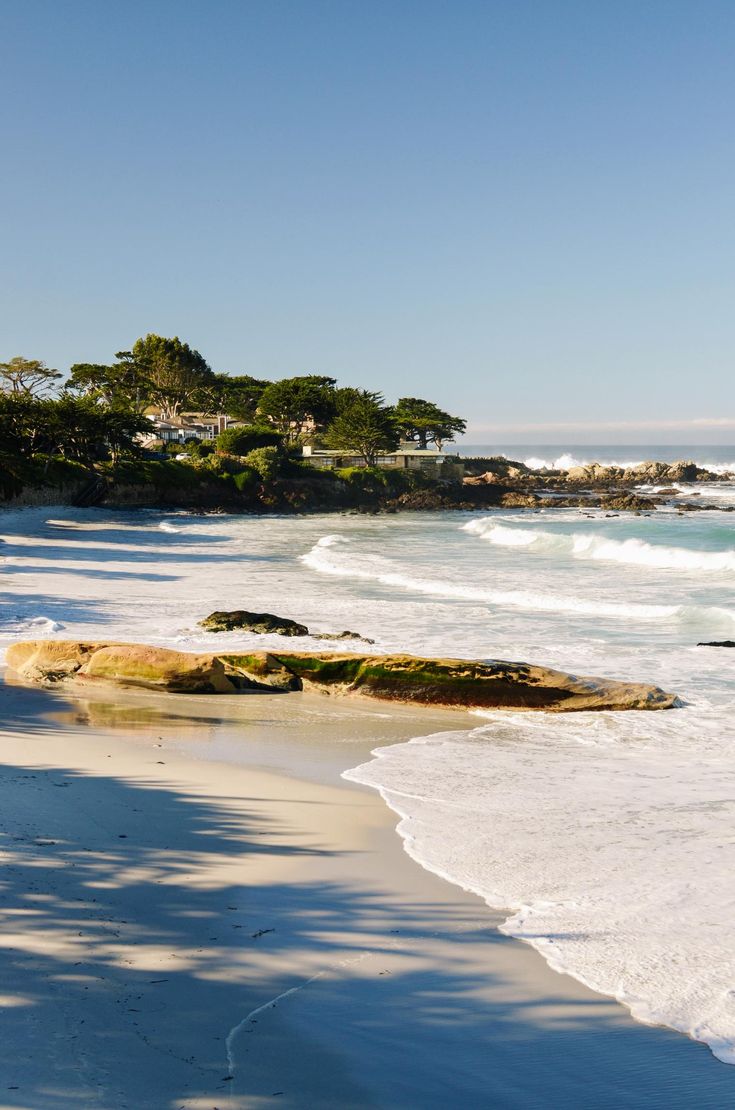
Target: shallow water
609	838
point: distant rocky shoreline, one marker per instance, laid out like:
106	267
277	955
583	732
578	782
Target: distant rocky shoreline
493	482
644	486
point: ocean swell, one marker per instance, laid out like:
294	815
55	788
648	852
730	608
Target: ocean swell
587	545
329	556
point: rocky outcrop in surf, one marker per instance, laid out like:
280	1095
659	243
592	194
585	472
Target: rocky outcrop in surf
403	678
260	623
268	623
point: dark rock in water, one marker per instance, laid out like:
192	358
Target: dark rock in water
341	636
262	623
516	500
240	620
627	502
717	643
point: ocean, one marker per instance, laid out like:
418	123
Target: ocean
556	456
608	839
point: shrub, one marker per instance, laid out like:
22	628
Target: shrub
363	477
201	449
223	465
245	480
249	437
163	474
266	461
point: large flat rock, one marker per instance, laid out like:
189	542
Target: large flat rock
405	678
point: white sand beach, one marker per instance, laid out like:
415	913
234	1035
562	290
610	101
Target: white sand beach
199	913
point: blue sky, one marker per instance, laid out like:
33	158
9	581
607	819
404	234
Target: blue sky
523	210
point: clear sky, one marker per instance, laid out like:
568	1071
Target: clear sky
522	210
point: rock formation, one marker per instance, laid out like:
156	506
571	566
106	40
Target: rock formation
264	623
405	678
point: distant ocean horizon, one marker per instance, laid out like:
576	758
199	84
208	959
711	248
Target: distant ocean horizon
560	456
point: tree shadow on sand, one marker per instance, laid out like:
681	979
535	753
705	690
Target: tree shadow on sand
143	953
143	956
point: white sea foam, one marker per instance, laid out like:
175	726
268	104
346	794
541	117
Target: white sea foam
587	545
328	556
553	820
167	526
41	624
566	461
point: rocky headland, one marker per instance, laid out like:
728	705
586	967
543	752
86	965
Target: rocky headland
493	482
512	484
487	483
403	678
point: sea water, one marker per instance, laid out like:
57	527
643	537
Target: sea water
555	456
608	838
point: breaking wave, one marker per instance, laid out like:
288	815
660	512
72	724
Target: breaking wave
40	624
328	556
567	460
586	545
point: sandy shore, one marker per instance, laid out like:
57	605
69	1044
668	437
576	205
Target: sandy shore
198	913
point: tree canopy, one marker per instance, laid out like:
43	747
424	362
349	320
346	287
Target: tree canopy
237	395
173	372
423	422
27	376
99	411
295	405
123	383
363	424
73	427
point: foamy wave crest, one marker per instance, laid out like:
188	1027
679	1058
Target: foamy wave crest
167	526
720	468
567	461
328	556
41	624
564	462
586	545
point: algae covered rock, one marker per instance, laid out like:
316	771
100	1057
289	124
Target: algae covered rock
260	670
476	685
462	683
245	621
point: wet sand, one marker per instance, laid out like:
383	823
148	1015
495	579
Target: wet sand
198	912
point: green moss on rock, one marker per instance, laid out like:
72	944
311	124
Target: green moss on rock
406	678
